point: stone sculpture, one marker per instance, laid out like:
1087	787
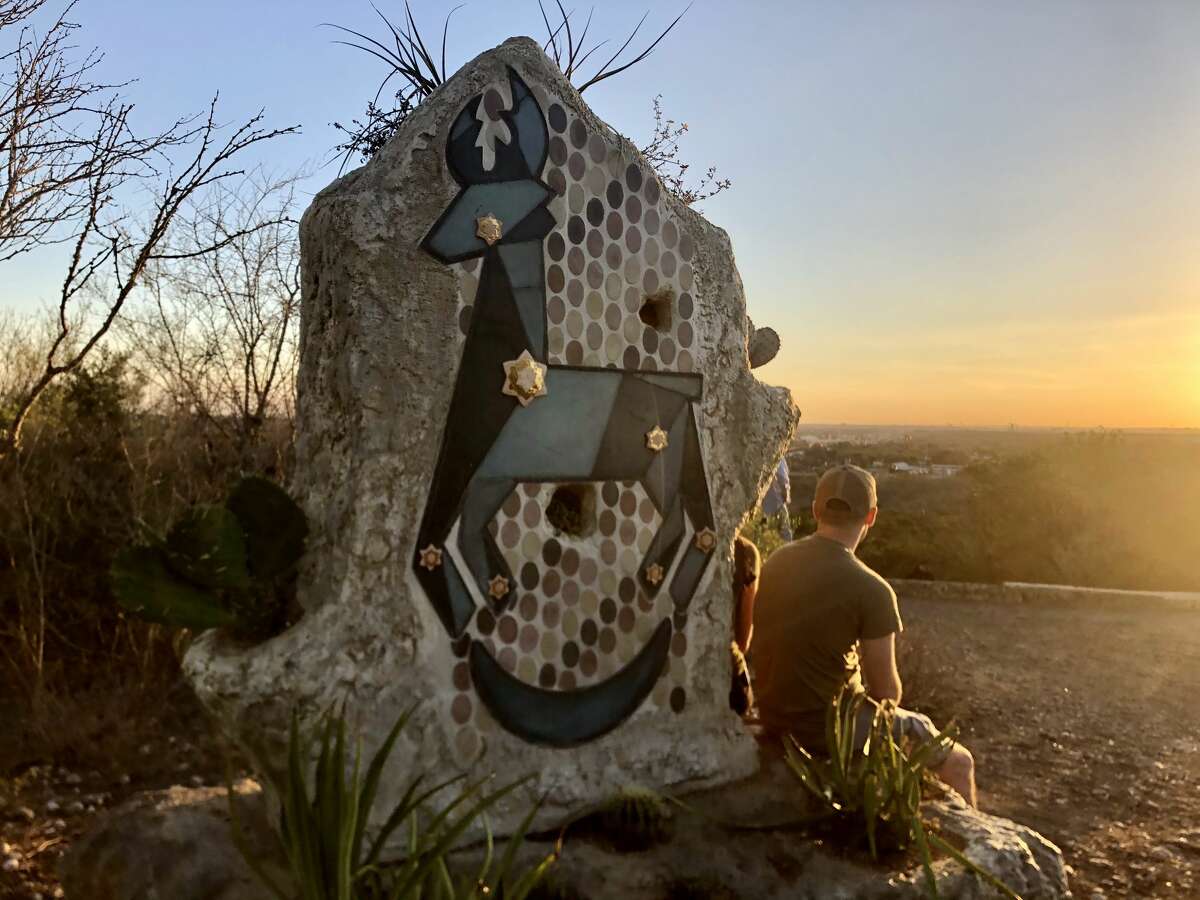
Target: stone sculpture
527	433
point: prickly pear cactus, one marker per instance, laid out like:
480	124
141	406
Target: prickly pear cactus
227	566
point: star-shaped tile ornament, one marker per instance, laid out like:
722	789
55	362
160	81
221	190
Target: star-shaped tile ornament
431	557
498	588
524	378
656	439
654	574
489	229
706	540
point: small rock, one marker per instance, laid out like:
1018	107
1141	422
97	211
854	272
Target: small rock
145	749
75	808
52	806
1162	854
196	781
59	825
124	779
74	778
1098	895
11	864
24	812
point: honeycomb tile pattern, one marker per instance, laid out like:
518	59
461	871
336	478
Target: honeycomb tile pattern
616	246
578	613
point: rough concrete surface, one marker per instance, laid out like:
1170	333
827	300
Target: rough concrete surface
380	344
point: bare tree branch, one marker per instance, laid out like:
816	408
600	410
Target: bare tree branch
216	326
664	155
66	152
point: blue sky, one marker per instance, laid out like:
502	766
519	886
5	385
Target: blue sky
953	212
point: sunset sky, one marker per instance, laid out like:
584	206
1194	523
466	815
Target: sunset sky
971	213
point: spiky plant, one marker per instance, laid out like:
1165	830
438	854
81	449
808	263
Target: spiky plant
635	818
871	792
332	853
412	66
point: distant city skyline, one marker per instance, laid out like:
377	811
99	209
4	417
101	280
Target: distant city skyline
953	212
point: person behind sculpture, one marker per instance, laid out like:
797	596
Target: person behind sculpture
824	620
746	566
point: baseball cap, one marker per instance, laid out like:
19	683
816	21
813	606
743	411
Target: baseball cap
850	484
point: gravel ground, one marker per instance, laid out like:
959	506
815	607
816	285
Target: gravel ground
1084	726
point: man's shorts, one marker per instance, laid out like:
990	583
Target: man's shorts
908	727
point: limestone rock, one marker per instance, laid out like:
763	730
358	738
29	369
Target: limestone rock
173	844
720	847
527	433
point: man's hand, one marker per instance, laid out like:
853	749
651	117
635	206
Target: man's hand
879	668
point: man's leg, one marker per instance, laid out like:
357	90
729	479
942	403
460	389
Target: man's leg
958	771
956	768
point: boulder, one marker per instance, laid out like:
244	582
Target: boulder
527	433
720	844
174	845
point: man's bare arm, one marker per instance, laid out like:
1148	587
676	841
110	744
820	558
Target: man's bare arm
879	668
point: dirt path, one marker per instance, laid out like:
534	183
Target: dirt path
1084	725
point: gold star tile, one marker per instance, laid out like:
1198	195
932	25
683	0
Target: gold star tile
654	574
706	540
431	557
498	587
524	378
656	439
489	229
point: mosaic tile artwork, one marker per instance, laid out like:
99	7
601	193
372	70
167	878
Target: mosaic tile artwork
569	523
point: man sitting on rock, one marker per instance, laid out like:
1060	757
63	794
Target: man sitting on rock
823	620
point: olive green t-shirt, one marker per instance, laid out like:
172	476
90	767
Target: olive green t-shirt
816	600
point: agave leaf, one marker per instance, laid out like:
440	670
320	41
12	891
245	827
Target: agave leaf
206	548
274	527
145	586
510	852
926	859
970	865
371	784
399	814
448	832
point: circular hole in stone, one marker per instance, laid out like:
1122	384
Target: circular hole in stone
656	310
572	510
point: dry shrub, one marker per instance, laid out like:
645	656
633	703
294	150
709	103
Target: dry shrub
94	470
